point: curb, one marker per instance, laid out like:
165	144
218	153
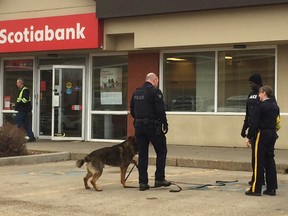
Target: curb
171	161
35	159
204	164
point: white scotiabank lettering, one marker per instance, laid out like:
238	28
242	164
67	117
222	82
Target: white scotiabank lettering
80	32
2	36
49	34
46	34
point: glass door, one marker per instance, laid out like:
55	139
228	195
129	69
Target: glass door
44	101
67	102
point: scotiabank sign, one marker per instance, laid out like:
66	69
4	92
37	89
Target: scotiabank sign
81	31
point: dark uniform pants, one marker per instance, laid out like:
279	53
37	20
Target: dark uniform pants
253	140
146	133
22	118
264	157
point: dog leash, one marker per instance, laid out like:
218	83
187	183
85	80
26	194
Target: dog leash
198	186
218	183
129	173
153	187
172	183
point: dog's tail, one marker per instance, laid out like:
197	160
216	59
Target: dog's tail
80	163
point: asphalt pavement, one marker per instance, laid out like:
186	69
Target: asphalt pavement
57	188
48	183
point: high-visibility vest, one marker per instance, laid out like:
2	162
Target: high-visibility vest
24	100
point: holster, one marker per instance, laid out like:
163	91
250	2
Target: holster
158	126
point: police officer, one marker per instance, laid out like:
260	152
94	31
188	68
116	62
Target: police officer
255	81
148	110
263	127
24	108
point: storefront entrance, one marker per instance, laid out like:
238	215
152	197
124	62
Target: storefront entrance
60	102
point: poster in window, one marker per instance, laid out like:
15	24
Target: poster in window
111	86
7	102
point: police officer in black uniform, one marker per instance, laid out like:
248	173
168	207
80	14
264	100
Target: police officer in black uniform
150	122
263	127
253	98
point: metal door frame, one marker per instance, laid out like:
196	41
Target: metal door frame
53	137
37	97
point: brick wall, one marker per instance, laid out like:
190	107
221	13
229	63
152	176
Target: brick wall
139	65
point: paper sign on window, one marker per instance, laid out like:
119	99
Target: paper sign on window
7	101
111	86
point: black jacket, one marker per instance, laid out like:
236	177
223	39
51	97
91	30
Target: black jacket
251	102
147	102
264	117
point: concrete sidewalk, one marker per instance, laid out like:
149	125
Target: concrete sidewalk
237	159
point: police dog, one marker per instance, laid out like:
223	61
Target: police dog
120	155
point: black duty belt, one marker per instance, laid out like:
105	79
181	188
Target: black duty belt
267	128
146	121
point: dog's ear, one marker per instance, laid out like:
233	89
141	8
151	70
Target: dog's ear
132	138
132	144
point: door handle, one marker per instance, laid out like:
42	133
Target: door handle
56	101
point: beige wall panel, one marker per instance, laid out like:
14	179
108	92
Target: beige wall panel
256	24
20	9
209	130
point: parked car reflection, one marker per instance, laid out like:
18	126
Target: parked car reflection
234	104
71	122
184	103
192	103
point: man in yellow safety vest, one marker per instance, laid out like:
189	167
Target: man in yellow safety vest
24	108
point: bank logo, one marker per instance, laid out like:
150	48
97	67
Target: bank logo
46	34
69	32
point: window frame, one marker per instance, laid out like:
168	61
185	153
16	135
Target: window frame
90	98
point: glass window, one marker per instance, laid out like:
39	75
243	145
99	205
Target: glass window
109	127
109	94
9	118
109	83
234	69
189	81
14	69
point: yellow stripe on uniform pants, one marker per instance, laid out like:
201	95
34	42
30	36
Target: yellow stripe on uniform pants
256	162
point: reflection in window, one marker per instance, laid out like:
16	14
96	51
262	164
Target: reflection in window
14	69
234	69
9	118
188	81
109	127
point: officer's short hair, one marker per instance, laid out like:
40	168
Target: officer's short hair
267	90
21	79
150	76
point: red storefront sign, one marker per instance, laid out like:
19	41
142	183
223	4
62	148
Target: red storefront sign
81	31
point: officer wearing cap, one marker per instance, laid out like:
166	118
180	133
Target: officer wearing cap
253	98
255	82
150	122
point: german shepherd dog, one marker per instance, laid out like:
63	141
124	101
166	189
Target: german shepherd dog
120	155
